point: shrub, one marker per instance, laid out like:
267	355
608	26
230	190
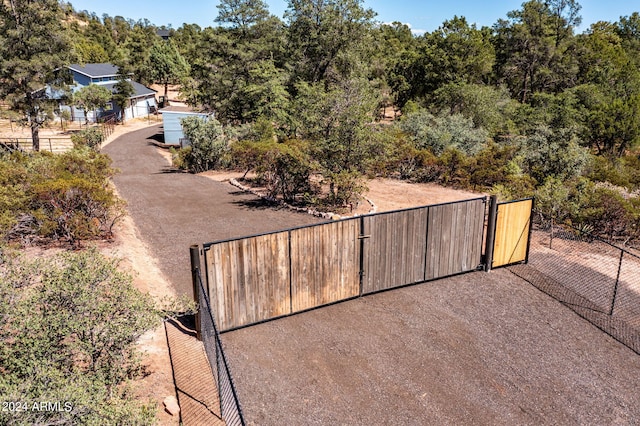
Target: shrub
284	168
68	328
66	198
208	145
608	212
438	133
91	137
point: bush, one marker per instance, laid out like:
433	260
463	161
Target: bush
609	213
208	145
64	198
438	133
68	328
91	137
284	168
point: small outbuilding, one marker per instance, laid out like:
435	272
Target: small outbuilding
171	116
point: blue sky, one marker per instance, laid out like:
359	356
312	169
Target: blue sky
421	15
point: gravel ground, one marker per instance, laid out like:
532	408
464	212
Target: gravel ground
474	349
173	210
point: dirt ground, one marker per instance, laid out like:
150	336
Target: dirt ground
385	194
474	349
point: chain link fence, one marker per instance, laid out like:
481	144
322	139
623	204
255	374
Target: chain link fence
229	404
596	279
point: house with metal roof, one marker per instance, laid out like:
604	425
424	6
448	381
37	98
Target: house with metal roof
141	103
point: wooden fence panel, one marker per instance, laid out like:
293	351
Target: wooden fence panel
394	249
454	238
325	264
248	279
512	233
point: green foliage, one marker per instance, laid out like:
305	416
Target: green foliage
498	165
208	145
552	201
549	153
609	213
91	137
69	327
489	107
455	53
33	47
242	13
438	133
166	65
92	97
65	198
327	39
284	168
123	91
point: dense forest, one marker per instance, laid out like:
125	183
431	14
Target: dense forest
320	99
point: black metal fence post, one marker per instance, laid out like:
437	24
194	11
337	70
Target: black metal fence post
491	233
615	288
194	252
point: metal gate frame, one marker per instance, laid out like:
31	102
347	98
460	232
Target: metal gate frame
484	261
492	230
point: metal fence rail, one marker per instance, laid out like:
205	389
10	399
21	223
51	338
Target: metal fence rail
230	408
596	279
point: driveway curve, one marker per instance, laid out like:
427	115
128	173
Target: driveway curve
174	210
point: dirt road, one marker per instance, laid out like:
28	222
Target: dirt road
173	210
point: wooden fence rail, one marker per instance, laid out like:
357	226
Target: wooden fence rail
257	278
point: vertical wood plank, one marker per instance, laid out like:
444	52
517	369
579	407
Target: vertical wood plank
454	243
249	279
395	249
324	264
512	233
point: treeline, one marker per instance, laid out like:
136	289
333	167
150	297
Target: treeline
523	107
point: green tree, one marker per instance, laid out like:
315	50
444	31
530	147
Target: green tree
455	52
134	52
33	46
489	107
122	91
395	54
242	14
327	38
338	121
534	48
554	153
90	98
166	65
438	133
266	92
232	62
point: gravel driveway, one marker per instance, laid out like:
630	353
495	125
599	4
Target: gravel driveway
173	210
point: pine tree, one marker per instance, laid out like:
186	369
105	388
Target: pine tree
33	47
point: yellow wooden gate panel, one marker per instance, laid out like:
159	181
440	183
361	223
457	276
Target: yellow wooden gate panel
512	233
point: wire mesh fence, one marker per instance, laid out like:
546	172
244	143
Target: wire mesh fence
598	280
230	408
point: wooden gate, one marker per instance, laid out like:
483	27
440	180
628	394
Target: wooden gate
257	278
512	233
